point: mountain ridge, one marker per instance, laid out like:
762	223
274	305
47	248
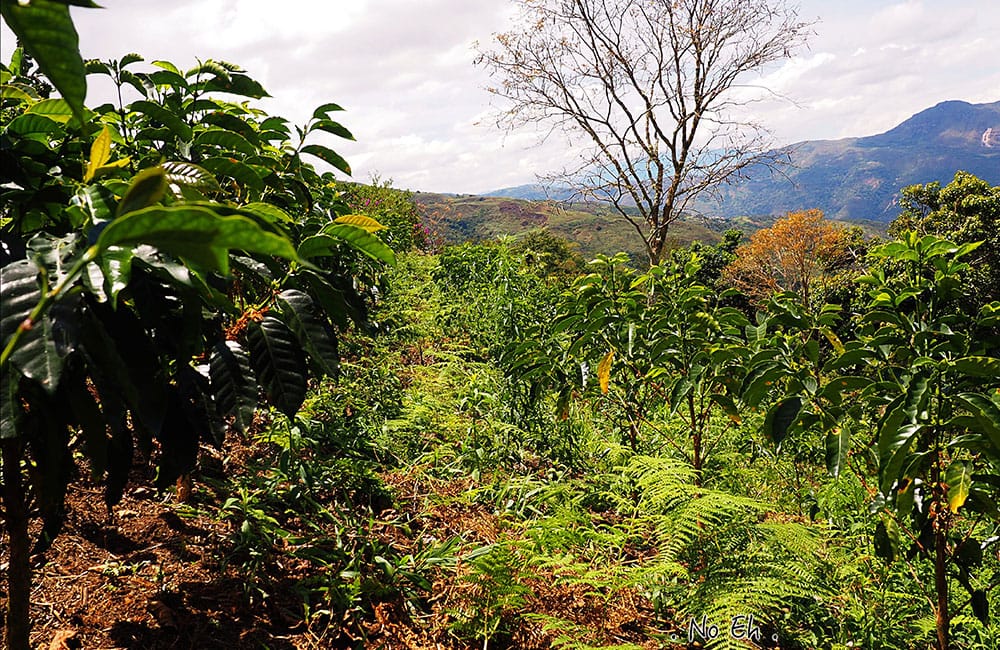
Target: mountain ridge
857	178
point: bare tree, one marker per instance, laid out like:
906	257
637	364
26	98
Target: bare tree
653	90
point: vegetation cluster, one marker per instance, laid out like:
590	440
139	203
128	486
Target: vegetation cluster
391	443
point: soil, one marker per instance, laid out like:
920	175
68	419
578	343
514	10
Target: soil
152	575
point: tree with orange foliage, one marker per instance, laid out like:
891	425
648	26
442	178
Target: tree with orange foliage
801	252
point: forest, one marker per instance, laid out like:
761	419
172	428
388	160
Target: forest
248	404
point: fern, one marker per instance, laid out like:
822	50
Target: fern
717	556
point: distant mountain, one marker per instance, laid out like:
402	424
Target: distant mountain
534	192
860	178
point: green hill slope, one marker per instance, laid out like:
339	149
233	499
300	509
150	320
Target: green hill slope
593	227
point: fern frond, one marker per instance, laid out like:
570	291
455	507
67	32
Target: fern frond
797	538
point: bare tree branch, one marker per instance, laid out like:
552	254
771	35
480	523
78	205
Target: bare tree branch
652	86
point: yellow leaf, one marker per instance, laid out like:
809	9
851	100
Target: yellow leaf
604	371
118	164
100	153
959	480
834	340
361	221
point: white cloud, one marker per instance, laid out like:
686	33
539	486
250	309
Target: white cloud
403	70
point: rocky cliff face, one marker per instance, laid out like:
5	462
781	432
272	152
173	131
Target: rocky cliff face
991	138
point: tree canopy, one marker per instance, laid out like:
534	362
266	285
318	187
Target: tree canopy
799	252
965	210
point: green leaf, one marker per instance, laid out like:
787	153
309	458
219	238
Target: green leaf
190	175
199	406
16	60
211	67
300	314
839	387
968	554
194	233
567	322
98	201
116	268
20	291
780	417
236	170
37	355
226	140
886	540
321	112
811	349
851	357
269	213
237	84
146	189
988	367
96	66
279	364
46	30
232	123
44	425
332	127
981	606
57	110
959	479
108	370
233	383
760	381
678	392
726	403
140	82
332	300
362	241
157	113
140	362
318	246
277	124
16	91
129	59
894	444
85	413
9	407
328	156
893	436
986	414
838	444
28	125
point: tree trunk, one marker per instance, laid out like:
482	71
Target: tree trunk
941	586
696	454
19	569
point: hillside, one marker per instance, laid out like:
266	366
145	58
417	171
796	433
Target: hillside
593	227
858	179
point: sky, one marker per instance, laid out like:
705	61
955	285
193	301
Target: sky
418	108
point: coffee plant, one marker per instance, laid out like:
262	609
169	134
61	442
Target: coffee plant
167	261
